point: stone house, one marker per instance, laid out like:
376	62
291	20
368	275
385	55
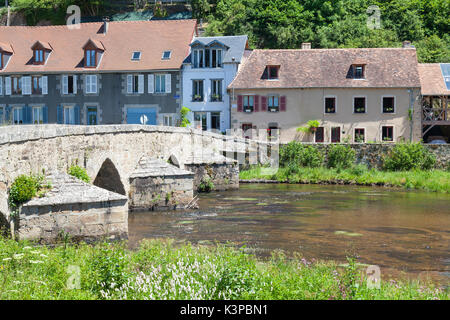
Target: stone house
357	95
208	70
99	73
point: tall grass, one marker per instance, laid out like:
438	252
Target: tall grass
159	270
433	180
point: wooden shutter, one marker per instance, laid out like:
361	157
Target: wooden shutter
26	82
60	115
283	103
256	103
94	84
1	86
45	114
77	114
141	83
151	83
168	83
65	84
27	115
240	103
75	85
87	83
263	103
8	86
44	85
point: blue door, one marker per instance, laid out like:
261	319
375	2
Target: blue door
134	115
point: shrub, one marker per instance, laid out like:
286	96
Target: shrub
80	173
24	188
183	116
409	156
358	170
340	156
206	185
304	156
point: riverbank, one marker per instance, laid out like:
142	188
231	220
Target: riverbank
434	180
159	270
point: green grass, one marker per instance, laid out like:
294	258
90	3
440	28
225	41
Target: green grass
159	270
433	180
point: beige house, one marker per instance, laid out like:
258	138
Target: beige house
357	95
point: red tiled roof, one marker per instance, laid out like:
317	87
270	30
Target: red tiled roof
329	68
432	80
152	38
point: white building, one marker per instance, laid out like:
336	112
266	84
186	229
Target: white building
208	70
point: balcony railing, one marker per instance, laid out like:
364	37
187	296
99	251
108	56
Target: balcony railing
435	113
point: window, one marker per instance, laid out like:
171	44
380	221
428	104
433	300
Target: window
336	134
388	104
17	115
200	120
360	135
247	130
16	85
91	58
37	85
197	90
272	132
216	58
168	120
69	84
91	84
166	55
136	55
249	103
273	103
215	120
387	133
69	115
199	58
160	85
39	56
358	71
91	112
271	72
216	86
359	105
38	115
330	105
319	135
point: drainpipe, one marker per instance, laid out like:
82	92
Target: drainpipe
411	113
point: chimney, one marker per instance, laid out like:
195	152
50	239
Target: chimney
105	25
306	45
407	44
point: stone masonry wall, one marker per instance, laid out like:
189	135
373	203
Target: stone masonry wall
87	221
224	176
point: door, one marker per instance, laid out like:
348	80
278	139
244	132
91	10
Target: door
145	115
215	120
92	116
200	120
336	134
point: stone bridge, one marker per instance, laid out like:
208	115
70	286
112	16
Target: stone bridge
110	153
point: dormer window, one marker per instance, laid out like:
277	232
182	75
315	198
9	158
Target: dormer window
166	55
40	52
358	71
271	73
5	53
1	60
136	56
39	56
92	52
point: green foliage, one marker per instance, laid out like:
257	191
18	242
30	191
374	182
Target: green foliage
409	156
296	154
206	185
80	173
24	188
310	126
341	156
183	116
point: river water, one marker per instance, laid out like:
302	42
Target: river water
406	233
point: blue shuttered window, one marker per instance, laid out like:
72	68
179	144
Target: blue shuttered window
59	115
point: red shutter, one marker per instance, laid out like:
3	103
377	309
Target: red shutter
240	103
263	103
256	103
283	103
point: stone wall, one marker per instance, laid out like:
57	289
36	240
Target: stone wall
224	176
371	154
86	221
160	193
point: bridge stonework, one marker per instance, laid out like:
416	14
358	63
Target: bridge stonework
112	148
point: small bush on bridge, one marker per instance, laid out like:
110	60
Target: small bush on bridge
409	156
24	188
80	173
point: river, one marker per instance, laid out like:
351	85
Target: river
406	233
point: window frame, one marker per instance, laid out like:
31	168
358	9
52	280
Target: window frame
217	84
250	107
168	116
39	56
20	113
364	135
323	133
88	112
267	72
40	114
90	84
273	108
393	133
197	92
365	104
382	104
340	134
325	104
39	83
162	82
19	85
86	55
164	55
363	71
133	58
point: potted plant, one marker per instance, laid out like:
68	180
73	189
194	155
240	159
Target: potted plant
215	97
311	126
197	97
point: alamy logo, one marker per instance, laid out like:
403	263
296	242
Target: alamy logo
73	21
374	17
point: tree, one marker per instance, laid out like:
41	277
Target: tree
433	49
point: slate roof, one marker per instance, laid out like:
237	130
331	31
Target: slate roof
152	38
432	80
236	44
329	68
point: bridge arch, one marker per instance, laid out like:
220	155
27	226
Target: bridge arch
108	177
